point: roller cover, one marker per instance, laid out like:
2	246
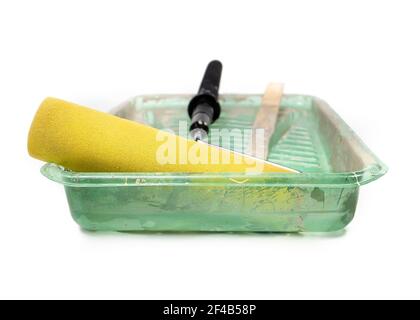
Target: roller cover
86	140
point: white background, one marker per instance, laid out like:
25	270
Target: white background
362	57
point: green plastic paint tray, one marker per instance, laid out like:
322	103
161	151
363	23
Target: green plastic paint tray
310	137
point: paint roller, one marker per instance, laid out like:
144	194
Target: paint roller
86	140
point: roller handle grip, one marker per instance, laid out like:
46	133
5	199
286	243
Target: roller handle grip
204	108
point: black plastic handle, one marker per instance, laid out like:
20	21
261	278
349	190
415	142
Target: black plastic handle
204	108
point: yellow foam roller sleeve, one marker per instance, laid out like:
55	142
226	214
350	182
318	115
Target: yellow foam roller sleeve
86	140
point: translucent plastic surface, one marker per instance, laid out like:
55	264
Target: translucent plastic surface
310	137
